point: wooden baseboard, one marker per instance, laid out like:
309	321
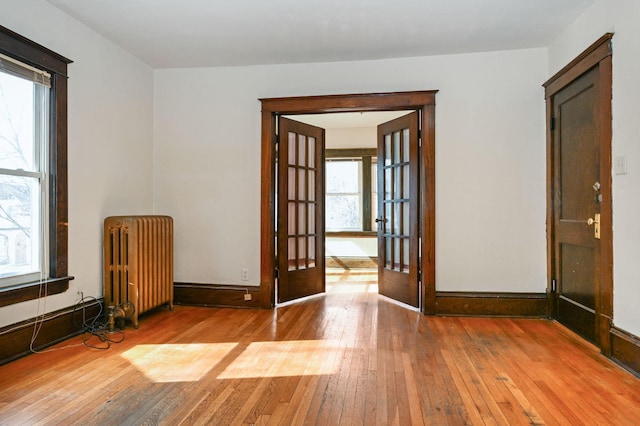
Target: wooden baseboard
625	349
491	304
447	303
215	295
15	339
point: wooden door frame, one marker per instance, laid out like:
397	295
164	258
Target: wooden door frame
395	101
599	54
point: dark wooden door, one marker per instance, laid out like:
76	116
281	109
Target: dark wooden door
398	209
300	211
578	195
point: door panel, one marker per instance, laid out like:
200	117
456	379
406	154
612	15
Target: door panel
577	194
577	269
300	233
398	209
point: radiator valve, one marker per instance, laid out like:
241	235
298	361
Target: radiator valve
117	314
111	319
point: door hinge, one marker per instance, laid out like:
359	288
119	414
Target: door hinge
552	123
276	273
553	285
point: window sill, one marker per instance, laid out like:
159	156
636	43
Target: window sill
31	291
352	234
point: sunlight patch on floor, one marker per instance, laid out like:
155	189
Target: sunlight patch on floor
286	358
177	362
351	280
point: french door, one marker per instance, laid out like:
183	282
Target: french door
398	209
300	233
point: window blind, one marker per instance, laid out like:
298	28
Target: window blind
22	70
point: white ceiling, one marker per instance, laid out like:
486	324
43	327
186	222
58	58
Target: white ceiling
197	33
341	120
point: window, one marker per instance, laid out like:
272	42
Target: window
33	169
343	205
24	100
350	190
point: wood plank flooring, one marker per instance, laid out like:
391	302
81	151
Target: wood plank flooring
349	357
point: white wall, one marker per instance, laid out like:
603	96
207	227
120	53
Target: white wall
351	247
622	18
490	160
110	140
351	137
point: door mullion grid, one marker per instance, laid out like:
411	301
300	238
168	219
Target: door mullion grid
392	210
297	202
403	141
306	202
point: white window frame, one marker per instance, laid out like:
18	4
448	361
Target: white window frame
41	81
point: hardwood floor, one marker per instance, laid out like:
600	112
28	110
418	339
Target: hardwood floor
348	357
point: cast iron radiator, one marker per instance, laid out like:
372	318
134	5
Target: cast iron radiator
138	263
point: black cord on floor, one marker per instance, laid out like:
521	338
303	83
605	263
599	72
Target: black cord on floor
97	327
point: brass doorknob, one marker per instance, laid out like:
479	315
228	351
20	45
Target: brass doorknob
596	222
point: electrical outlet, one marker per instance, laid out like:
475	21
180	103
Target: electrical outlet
245	274
247	296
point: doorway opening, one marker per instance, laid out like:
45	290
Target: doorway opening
274	266
351	196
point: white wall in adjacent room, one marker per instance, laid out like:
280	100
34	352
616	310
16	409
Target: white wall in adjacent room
351	137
